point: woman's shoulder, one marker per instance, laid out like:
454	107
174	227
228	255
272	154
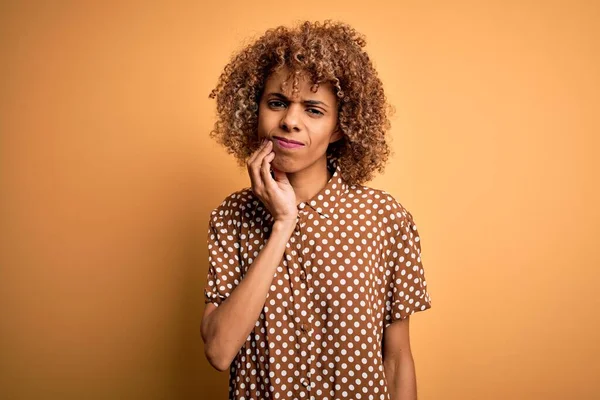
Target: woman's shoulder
390	205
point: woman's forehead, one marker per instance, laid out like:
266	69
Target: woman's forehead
282	80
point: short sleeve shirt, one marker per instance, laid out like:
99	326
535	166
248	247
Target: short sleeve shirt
351	267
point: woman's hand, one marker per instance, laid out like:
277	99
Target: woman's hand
277	194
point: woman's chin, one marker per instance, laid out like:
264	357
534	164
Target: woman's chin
276	163
283	168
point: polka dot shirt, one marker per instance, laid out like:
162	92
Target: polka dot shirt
351	267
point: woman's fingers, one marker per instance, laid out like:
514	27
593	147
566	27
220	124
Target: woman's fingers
264	165
255	163
254	155
265	172
252	160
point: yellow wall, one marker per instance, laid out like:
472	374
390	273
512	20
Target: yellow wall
108	176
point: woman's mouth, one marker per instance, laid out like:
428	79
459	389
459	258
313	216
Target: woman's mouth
287	145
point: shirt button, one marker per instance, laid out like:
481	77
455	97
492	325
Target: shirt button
304	328
304	382
303	276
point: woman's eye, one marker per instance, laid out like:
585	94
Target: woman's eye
276	103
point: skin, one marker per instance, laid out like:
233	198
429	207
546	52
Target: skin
313	124
299	174
398	362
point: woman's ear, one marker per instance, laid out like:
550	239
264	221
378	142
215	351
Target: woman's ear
336	135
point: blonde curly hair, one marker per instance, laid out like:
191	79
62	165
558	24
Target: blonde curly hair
326	52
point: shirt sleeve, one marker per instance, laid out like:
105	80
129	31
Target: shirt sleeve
223	260
407	289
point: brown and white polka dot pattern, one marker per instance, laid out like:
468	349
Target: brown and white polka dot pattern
351	268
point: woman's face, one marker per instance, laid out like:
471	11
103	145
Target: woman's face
309	119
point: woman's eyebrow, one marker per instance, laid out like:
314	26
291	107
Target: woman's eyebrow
310	102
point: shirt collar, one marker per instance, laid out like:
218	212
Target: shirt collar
326	201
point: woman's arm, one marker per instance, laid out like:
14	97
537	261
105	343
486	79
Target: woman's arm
226	327
398	361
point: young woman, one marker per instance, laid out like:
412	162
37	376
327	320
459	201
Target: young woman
312	275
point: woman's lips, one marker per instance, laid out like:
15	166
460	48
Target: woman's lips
287	145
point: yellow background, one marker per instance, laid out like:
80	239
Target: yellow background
108	177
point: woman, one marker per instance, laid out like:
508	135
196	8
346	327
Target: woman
312	276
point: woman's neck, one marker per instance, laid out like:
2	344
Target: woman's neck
310	181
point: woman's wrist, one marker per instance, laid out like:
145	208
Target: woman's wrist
284	225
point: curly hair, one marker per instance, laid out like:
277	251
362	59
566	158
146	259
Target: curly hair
326	52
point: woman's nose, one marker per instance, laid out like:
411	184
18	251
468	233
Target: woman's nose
291	118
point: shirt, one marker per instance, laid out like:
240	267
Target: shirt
351	267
